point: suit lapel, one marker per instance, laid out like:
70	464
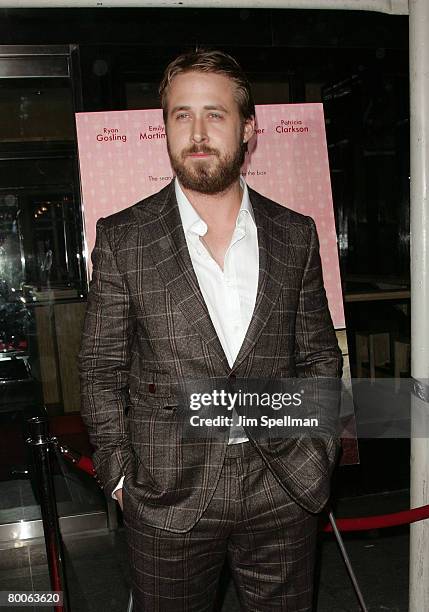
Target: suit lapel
167	244
170	254
273	259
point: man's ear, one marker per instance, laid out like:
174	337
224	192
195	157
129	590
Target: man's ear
249	129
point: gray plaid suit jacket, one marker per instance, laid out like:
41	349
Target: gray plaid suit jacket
147	327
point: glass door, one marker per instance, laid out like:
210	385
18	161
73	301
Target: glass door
42	285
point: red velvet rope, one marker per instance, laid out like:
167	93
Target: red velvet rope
85	464
381	521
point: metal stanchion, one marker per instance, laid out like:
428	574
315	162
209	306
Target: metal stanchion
43	447
347	562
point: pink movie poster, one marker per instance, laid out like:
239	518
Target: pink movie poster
123	159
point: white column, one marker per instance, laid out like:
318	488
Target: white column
419	151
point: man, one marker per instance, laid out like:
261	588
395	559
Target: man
207	279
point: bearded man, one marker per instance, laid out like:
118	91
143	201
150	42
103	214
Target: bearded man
203	280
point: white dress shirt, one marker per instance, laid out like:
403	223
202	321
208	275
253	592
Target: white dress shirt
229	294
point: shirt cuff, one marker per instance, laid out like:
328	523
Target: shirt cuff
118	486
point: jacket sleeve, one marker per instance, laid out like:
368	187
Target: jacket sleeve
103	363
317	353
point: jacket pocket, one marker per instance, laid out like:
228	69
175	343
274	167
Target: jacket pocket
152	386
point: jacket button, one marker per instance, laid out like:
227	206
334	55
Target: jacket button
231	380
151	387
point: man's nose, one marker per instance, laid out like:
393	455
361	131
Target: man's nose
199	132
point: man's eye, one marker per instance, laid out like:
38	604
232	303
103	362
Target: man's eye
182	116
216	115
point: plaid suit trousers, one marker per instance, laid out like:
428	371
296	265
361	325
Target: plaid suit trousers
268	539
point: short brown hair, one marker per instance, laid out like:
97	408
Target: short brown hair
218	62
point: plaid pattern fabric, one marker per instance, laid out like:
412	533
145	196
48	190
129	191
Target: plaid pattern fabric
147	328
268	539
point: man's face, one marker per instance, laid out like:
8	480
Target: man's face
205	132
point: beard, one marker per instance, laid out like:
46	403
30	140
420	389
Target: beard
208	177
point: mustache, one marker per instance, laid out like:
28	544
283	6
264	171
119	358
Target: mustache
201	149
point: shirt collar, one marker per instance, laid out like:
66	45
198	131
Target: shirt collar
192	221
